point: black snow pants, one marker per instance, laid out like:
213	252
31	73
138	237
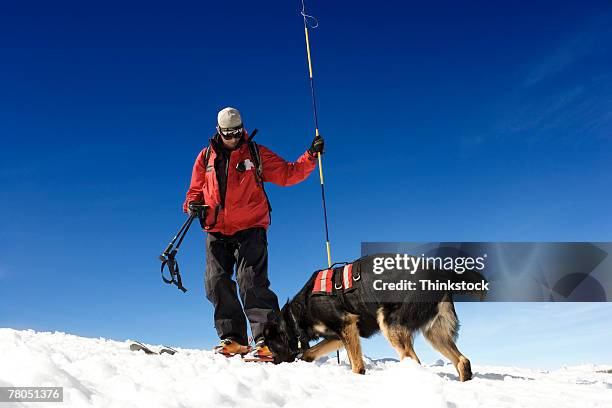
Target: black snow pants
247	250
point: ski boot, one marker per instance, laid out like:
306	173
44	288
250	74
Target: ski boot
230	347
261	353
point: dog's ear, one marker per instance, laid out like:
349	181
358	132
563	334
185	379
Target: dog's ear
297	309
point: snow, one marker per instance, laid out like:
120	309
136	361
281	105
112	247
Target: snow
105	373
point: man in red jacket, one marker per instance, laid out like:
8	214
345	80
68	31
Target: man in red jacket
226	179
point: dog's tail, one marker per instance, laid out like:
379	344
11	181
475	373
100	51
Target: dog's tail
476	284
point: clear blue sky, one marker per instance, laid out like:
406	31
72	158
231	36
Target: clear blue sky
443	122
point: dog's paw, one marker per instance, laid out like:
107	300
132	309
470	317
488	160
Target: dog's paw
307	358
359	370
464	368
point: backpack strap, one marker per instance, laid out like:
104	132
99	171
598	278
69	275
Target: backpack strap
203	215
256	159
206	158
254	150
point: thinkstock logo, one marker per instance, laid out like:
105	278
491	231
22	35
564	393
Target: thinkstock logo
412	264
515	271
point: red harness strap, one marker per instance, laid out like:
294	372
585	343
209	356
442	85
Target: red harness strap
324	281
347	276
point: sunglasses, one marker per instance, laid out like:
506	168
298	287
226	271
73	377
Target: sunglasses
231	133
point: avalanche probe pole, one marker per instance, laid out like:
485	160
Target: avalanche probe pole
316	123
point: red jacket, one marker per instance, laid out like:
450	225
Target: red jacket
245	204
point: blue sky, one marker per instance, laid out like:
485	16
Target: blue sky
443	122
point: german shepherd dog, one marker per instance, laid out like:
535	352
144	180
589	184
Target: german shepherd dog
341	317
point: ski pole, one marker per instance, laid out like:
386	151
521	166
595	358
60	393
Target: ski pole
168	257
186	225
316	123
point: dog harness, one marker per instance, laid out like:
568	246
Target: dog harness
332	280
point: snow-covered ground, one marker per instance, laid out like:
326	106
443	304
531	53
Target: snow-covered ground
105	373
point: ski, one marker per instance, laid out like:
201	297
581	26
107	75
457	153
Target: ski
229	355
258	359
245	357
138	346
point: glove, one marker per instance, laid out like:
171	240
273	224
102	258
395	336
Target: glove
317	146
194	207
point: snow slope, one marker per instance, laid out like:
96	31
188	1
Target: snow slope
105	373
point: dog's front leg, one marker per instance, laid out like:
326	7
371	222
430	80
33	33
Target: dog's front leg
350	338
320	349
